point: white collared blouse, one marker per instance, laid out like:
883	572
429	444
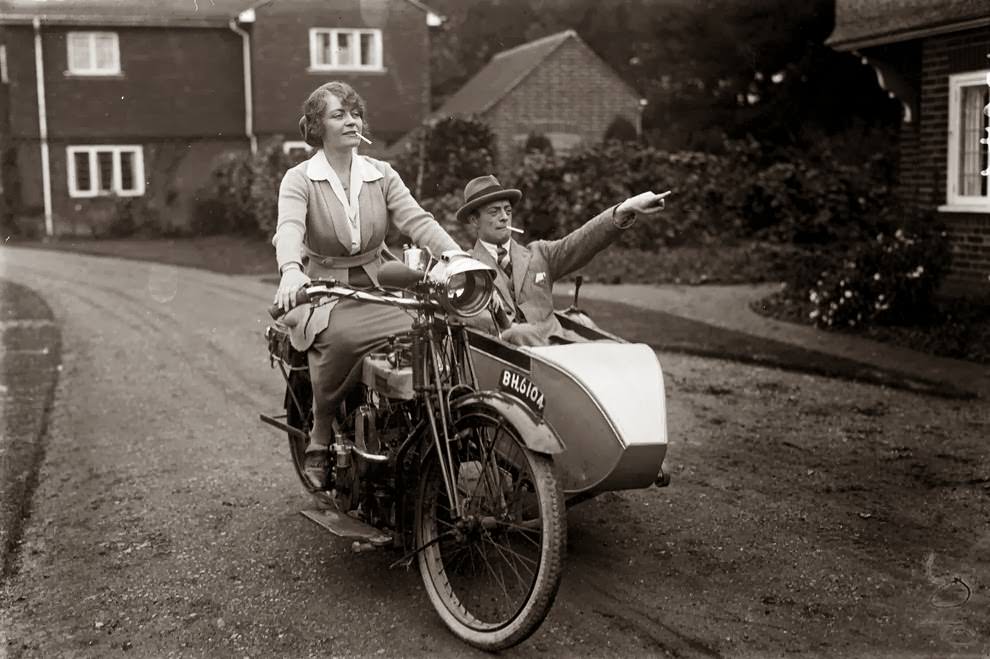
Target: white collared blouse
313	210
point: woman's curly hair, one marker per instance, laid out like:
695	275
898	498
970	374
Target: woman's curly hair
311	123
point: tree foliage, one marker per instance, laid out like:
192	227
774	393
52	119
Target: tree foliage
707	68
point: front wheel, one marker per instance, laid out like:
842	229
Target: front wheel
492	575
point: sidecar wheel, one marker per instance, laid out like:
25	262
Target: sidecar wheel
493	576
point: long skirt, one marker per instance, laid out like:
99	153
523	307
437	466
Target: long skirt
355	329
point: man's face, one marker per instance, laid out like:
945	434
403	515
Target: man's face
492	222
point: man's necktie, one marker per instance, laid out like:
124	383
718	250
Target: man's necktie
503	261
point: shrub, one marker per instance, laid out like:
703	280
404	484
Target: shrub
129	217
560	194
439	159
539	143
242	194
741	193
890	279
622	130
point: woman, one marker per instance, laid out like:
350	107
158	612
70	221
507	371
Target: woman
333	213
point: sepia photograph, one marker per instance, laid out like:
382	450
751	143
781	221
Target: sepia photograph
518	328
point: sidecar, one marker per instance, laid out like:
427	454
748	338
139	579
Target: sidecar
604	399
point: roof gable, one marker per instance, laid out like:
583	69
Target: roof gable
863	23
503	74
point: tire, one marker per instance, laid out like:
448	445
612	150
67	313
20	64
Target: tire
300	417
515	511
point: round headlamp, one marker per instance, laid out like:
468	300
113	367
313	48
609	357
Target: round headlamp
466	285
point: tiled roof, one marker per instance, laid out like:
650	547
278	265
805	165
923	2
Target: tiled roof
501	75
190	13
863	23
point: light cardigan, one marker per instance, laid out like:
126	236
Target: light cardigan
313	223
312	219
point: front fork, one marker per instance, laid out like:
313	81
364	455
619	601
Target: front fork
429	369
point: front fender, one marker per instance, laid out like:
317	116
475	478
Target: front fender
538	436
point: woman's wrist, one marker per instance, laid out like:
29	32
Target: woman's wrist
291	265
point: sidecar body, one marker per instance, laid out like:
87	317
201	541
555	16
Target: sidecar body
604	398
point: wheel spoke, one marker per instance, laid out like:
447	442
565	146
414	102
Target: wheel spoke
488	576
511	564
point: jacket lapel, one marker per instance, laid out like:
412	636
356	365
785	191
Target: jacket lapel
501	281
520	264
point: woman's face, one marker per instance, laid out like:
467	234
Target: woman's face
341	126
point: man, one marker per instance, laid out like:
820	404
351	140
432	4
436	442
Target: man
525	274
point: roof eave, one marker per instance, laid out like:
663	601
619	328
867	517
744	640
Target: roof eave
868	41
115	20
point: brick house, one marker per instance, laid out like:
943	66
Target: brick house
934	56
138	99
556	87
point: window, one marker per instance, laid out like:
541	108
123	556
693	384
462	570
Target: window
3	65
93	53
96	171
969	95
357	50
297	150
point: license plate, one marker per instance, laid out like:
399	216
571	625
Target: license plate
518	385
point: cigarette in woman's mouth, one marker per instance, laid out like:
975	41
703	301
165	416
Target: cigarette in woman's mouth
516	230
363	138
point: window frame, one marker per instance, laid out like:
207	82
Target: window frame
94	171
316	32
955	202
92	71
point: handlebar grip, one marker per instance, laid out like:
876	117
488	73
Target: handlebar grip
275	311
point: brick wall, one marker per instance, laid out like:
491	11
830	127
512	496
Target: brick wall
924	143
572	91
173	83
398	98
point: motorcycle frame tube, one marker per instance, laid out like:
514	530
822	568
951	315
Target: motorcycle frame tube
424	345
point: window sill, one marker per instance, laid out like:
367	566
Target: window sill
104	195
977	207
322	70
119	75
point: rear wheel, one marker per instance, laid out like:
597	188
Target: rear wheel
299	414
493	574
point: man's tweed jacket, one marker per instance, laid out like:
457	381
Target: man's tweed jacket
537	266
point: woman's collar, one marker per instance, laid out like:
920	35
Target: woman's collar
318	167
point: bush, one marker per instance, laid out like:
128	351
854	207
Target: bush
441	158
890	279
560	194
242	194
742	193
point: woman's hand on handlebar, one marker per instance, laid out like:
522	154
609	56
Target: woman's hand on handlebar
292	280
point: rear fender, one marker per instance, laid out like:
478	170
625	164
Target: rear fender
538	436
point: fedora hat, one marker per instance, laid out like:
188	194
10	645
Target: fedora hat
483	190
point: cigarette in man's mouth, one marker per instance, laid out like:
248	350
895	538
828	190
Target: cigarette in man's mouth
516	230
364	139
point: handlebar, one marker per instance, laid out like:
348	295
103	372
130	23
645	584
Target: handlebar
328	288
275	311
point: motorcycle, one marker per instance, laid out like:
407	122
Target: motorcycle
462	452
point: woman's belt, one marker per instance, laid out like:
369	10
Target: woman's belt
342	262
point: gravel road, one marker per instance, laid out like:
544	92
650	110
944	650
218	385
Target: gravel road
807	516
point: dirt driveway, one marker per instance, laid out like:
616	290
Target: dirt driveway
806	517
